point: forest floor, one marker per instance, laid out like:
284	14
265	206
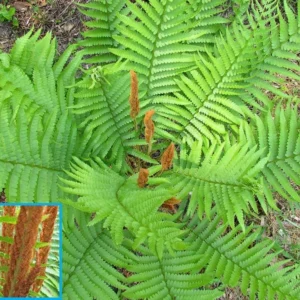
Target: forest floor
64	20
61	17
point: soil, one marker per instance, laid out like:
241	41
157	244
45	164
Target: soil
61	17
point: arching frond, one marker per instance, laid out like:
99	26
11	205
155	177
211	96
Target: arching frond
103	107
156	46
247	63
209	96
278	136
38	134
277	58
89	264
121	203
171	277
38	85
237	260
213	175
209	21
101	26
33	153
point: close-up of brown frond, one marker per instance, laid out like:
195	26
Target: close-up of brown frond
25	260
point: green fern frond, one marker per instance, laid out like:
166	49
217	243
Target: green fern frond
278	136
101	27
38	134
156	46
246	63
209	22
239	261
89	264
103	107
209	97
33	153
213	175
38	84
121	203
278	58
171	277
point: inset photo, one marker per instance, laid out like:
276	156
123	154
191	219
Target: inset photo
30	251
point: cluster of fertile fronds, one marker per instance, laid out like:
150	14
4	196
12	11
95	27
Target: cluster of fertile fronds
24	264
163	203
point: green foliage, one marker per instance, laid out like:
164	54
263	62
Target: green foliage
107	130
225	177
278	136
233	257
39	135
126	207
7	13
89	260
102	26
214	72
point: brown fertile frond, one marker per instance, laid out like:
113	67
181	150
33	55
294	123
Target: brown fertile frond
15	249
149	125
167	157
143	177
170	204
27	283
22	249
134	96
45	237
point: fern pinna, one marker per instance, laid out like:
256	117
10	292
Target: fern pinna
165	150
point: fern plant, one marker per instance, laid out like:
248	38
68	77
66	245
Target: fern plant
163	171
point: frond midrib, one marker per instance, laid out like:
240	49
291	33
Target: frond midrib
274	161
165	279
113	118
82	256
215	87
32	166
153	50
210	181
234	262
126	210
109	24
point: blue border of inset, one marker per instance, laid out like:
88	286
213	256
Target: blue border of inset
60	245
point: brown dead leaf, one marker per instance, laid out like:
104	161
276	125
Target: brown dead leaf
21	6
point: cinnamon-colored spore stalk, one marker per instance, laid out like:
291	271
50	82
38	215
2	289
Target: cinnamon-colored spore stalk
25	285
143	177
167	157
134	96
149	125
